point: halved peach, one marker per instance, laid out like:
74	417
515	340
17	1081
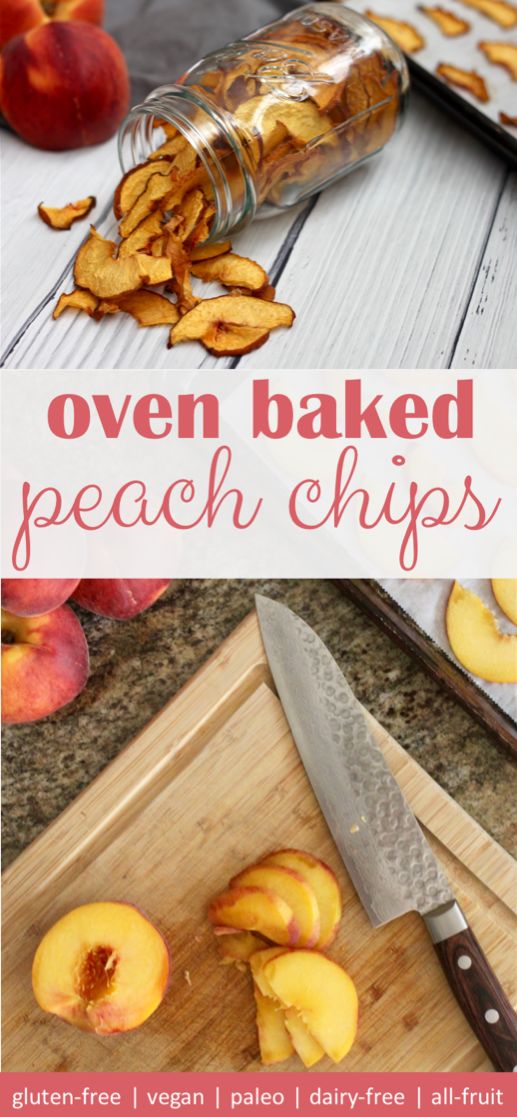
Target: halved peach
254	909
505	593
274	1040
103	967
323	882
321	992
307	1048
477	640
293	889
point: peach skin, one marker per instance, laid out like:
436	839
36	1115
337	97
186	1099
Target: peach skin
44	664
30	597
19	16
119	598
63	85
103	967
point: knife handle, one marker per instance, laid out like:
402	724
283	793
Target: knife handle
480	996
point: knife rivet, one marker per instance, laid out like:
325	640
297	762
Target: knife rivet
464	962
491	1016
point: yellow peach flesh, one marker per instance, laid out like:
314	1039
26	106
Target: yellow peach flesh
476	639
255	909
321	992
293	889
323	882
103	967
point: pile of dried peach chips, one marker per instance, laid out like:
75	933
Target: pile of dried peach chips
164	209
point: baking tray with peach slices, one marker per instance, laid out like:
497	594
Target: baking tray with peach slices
463	53
443	624
212	796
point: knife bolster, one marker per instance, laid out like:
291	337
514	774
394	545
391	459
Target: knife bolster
445	921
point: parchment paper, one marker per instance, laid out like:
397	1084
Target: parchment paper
425	601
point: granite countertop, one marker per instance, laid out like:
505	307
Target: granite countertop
136	666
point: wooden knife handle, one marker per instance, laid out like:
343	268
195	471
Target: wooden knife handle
481	997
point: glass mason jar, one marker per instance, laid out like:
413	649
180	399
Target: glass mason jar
280	114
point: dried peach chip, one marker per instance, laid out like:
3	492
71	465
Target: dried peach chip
448	22
501	54
232	271
63	217
171	148
404	34
231	310
76	300
149	200
149	308
509	120
233	341
143	236
499	11
134	183
180	263
190	211
464	79
208	251
97	269
202	230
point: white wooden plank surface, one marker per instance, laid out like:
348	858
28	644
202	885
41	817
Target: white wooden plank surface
33	256
383	270
381	275
488	336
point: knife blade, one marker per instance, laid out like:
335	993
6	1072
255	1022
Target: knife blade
388	858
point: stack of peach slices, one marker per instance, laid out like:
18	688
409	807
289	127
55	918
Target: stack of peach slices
165	212
306	1004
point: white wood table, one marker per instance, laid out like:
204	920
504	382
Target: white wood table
409	262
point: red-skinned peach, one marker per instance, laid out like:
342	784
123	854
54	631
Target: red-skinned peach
44	664
63	85
19	16
31	597
119	598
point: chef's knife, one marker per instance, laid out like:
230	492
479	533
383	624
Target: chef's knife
391	864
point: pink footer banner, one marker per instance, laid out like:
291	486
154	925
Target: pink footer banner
284	1094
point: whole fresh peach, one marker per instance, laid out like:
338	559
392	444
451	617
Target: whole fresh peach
119	598
44	664
18	16
30	597
63	85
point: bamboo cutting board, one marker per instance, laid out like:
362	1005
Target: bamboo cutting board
212	783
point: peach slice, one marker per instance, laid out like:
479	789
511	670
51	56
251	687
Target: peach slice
78	299
322	993
208	251
236	310
103	967
505	593
254	909
63	217
404	34
97	269
291	887
30	597
274	1040
232	271
323	883
239	946
307	1048
257	963
476	639
44	664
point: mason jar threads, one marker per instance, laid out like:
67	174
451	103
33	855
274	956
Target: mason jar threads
277	116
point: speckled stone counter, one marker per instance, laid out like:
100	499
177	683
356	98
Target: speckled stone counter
136	666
